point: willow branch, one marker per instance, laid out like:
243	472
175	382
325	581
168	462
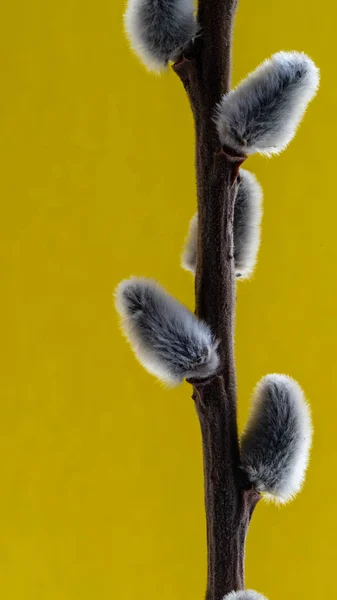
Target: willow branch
229	501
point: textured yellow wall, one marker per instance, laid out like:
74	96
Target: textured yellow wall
101	478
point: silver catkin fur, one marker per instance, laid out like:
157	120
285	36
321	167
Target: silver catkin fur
167	338
244	595
158	29
247	221
263	112
276	443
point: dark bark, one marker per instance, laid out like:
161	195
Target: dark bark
205	72
229	498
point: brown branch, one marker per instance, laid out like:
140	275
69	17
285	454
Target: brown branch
229	500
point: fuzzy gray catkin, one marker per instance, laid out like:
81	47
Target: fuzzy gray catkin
158	29
246	229
262	113
244	595
276	442
167	338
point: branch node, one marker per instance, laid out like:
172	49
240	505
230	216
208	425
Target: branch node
231	156
202	383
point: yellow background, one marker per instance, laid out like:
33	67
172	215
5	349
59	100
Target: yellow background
101	477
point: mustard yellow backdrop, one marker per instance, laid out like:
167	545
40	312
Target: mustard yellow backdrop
101	476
